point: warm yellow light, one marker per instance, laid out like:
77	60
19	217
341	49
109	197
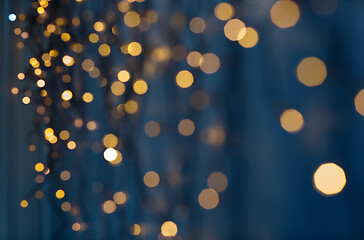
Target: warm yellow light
197	25
208	198
123	6
88	65
40	10
110	141
76	227
104	50
285	13
110	154
21	76
99	26
224	11
60	194
124	76
91	125
134	48
109	207
131	106
184	79
65	37
37	71
217	181
329	179
87	97
24	203
93	37
169	229
152	128
68	60
26	100
140	87
186	127
292	120
151	179
64	134
135	229
117	88
40	83
234	29
39	167
131	19
210	63
194	59
71	145
67	95
311	71
250	39
120	198
359	102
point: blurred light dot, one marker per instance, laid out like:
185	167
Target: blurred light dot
67	95
65	175
87	97
292	120
26	100
208	198
169	229
99	26
40	83
152	128
120	198
210	63
60	194
186	127
110	154
359	102
131	106
194	59
224	11
234	29
39	167
68	60
134	48
132	19
104	50
65	37
24	203
184	79
197	25
109	207
21	76
250	38
110	141
117	88
285	14
140	87
217	181
124	76
71	145
76	227
329	178
135	229
66	207
151	179
12	17
311	71
64	134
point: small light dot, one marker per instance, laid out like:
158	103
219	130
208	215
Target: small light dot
12	17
